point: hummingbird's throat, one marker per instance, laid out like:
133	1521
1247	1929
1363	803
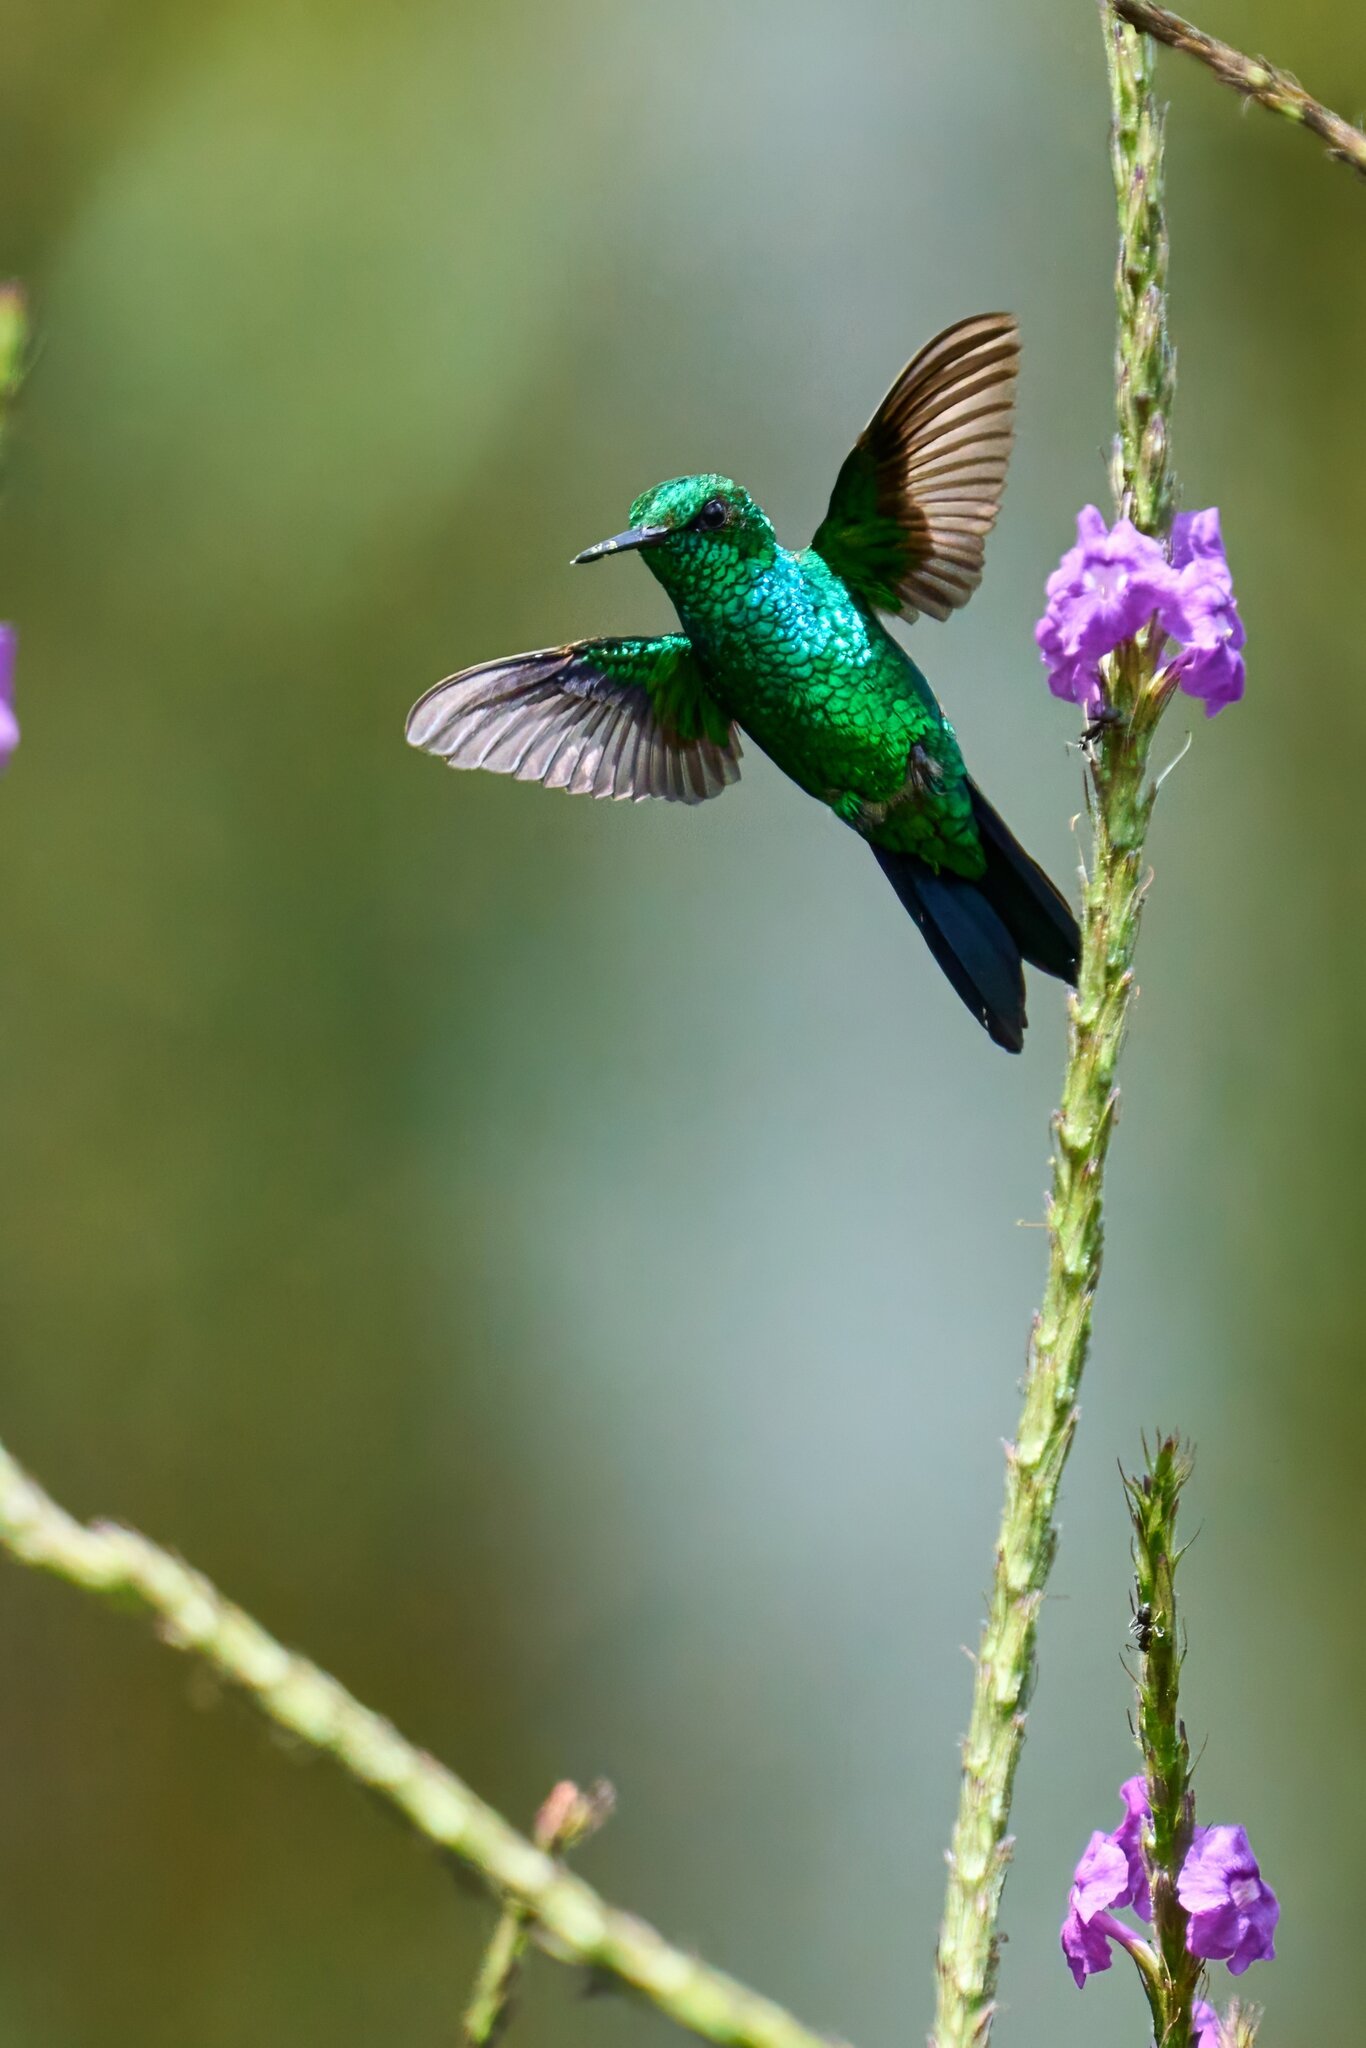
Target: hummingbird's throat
715	585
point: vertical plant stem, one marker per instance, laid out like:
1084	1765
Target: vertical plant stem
1145	362
13	345
1121	800
1153	1503
567	1817
491	2000
13	352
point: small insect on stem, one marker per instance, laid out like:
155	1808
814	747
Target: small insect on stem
1142	1627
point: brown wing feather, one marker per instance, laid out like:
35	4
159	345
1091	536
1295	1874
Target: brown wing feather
559	717
920	491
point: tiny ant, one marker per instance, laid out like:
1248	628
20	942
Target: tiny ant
1144	1630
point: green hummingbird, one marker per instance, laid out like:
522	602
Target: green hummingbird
789	649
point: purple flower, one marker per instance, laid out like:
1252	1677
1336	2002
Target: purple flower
1233	1911
1233	1914
9	724
1206	2021
1103	591
1204	613
1110	1873
1101	1880
1115	580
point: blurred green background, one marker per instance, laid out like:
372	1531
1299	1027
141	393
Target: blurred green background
559	1263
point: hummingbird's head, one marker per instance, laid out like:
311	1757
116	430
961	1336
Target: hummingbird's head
694	530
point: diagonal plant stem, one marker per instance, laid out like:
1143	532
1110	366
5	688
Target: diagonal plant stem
572	1922
1120	798
1253	77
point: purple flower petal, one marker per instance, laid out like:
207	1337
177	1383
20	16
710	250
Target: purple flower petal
1086	1946
1233	1911
1216	674
1196	537
1103	590
1128	1837
9	724
1206	2023
1203	612
1125	577
1202	609
1110	1873
1101	1878
1091	527
1068	677
1203	1883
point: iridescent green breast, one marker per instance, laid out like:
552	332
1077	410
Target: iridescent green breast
815	680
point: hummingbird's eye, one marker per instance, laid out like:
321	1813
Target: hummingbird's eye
714	514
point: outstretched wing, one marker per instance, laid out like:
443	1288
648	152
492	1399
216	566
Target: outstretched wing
920	489
619	718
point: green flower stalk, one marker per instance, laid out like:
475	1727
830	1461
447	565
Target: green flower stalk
13	350
13	343
1153	1503
1121	800
1199	1890
1145	362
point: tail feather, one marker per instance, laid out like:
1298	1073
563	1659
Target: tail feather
980	932
967	939
1036	914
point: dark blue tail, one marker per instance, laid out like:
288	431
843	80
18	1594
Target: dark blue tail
981	931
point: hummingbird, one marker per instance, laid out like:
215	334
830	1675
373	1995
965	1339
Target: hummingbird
790	650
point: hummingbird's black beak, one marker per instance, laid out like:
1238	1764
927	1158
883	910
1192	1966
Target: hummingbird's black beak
634	537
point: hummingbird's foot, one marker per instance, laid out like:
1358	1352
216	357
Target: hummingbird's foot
852	810
923	777
923	774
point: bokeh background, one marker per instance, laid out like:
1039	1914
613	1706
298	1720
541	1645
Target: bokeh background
562	1264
